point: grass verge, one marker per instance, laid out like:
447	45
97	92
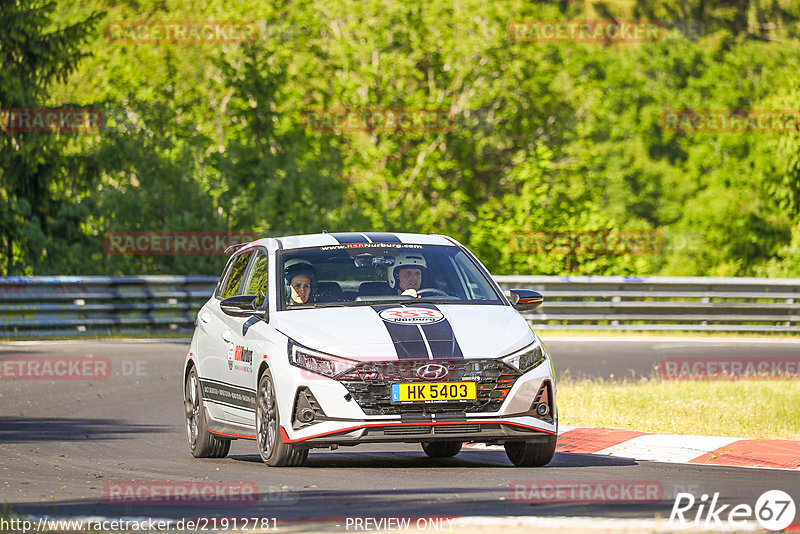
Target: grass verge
761	409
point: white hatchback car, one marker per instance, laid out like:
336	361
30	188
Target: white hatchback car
339	339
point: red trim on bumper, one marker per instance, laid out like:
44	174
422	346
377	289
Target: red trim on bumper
285	437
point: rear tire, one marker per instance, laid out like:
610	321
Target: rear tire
271	448
528	454
202	443
441	449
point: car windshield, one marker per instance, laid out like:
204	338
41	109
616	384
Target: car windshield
363	274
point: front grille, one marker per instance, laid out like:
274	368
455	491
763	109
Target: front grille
370	385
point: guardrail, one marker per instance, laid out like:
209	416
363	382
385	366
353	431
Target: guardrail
663	303
33	307
41	306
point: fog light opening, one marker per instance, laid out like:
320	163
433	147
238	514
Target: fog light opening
542	409
307	410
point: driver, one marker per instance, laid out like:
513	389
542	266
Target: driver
405	276
301	281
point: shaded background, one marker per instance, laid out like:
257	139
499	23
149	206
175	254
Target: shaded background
546	136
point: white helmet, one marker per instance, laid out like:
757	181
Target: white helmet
405	260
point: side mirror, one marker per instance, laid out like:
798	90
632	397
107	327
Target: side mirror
241	306
526	299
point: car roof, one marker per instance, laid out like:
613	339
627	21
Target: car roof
341	238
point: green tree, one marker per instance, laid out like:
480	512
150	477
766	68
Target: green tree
36	177
546	136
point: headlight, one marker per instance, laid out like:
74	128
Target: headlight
318	362
528	359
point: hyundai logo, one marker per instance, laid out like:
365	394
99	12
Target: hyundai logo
432	371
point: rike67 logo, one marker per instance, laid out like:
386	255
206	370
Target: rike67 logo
774	510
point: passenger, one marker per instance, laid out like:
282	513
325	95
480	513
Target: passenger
301	281
405	276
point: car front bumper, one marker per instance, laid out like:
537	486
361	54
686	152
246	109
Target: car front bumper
343	419
471	430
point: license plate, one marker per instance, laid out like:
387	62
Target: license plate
434	391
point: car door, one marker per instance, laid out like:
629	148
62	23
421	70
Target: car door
244	352
207	331
221	340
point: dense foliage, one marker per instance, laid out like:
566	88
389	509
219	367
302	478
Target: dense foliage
543	136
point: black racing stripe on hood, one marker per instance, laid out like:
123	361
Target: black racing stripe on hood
407	339
343	238
441	338
383	237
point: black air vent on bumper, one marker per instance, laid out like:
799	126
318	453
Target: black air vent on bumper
544	398
406	430
305	406
456	429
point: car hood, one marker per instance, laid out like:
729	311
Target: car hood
390	332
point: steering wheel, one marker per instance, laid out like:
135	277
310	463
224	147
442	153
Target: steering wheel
432	291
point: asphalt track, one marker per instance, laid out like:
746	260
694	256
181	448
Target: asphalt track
638	356
62	442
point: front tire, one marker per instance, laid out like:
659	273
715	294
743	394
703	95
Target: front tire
529	454
274	452
202	444
442	449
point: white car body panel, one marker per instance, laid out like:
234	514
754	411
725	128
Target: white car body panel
229	354
358	332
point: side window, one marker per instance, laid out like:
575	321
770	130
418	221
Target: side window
221	281
476	286
235	274
258	278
